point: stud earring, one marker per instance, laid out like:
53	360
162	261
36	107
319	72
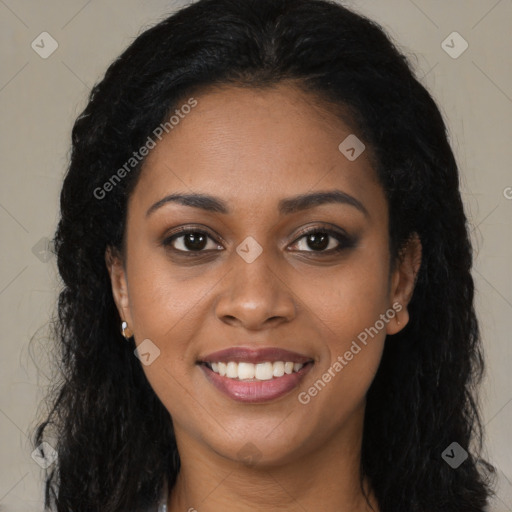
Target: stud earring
125	330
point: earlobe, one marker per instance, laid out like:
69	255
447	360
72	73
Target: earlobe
115	267
403	283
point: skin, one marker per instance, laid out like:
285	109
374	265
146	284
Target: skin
252	148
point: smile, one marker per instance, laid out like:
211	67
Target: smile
249	375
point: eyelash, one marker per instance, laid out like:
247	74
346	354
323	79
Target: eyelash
345	242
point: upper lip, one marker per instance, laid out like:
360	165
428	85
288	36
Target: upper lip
251	355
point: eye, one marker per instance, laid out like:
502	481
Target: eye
319	240
323	240
190	240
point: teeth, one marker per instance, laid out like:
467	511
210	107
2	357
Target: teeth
232	370
278	369
245	371
264	371
259	371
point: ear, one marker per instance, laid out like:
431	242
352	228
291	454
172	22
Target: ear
118	280
403	281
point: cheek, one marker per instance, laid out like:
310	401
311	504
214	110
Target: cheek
352	308
353	295
168	310
163	297
353	346
161	309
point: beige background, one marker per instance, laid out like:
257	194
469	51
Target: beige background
40	98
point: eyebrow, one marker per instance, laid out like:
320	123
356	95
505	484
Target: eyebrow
285	206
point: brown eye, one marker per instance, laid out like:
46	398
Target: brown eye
190	240
323	241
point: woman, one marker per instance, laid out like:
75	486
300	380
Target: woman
267	298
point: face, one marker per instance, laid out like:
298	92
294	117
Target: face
256	275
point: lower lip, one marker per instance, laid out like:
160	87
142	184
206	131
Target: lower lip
256	391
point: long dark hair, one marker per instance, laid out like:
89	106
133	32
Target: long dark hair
115	439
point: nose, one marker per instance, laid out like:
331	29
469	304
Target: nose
255	295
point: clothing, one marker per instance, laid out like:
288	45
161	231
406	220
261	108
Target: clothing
161	506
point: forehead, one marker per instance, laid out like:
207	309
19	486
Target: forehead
253	145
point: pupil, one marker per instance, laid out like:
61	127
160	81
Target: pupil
318	241
195	241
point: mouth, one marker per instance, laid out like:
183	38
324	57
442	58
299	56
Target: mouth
248	375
